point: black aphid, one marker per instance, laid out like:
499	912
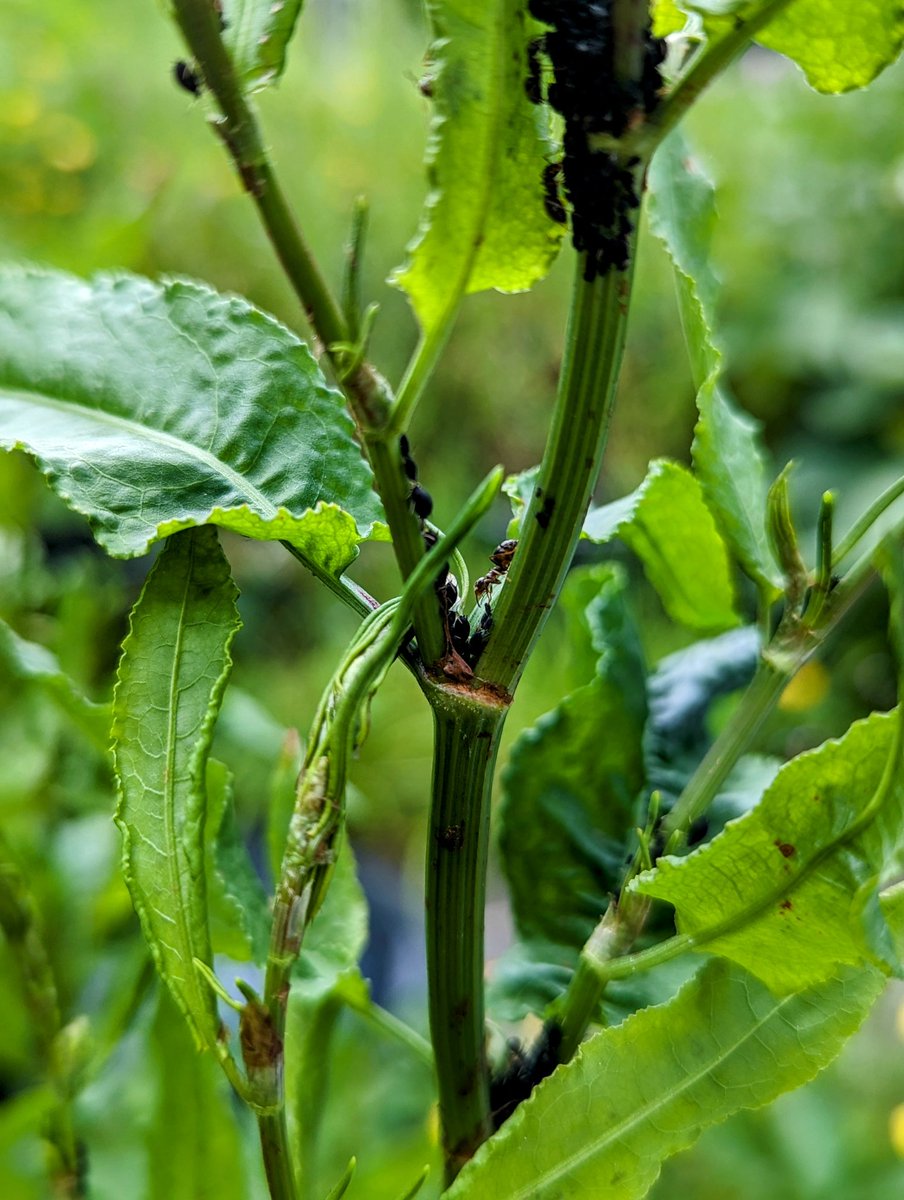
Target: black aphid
187	77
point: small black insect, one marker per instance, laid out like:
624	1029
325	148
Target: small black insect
187	77
404	445
552	199
421	502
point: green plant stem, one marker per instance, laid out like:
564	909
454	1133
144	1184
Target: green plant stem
708	64
368	394
703	787
551	525
467	732
274	1140
863	524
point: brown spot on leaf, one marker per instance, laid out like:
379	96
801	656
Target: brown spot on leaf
786	848
786	905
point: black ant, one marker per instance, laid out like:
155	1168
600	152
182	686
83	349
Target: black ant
187	77
501	558
552	200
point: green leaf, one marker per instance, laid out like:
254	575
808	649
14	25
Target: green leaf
172	674
326	967
728	453
838	46
519	489
639	1093
239	913
571	785
192	1139
680	692
668	526
153	408
667	18
256	33
31	662
806	860
485	225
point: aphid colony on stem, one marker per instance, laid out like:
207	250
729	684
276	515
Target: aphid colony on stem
601	188
465	646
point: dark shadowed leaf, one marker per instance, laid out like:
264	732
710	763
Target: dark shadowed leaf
571	786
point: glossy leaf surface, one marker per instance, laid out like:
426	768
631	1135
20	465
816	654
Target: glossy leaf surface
153	408
172	674
485	225
639	1093
728	453
807	859
669	527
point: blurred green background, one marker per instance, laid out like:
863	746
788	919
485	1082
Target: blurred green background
105	163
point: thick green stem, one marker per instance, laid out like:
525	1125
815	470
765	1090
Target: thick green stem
467	730
568	473
275	1153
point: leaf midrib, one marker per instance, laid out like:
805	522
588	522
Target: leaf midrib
169	807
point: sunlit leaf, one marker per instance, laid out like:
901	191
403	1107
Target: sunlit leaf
153	408
639	1093
838	46
485	225
668	526
174	668
808	858
257	33
667	17
728	453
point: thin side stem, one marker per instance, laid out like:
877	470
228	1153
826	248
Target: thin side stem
368	394
467	736
863	524
703	787
703	70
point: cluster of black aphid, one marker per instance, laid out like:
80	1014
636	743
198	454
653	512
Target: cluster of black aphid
419	498
522	1072
601	189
